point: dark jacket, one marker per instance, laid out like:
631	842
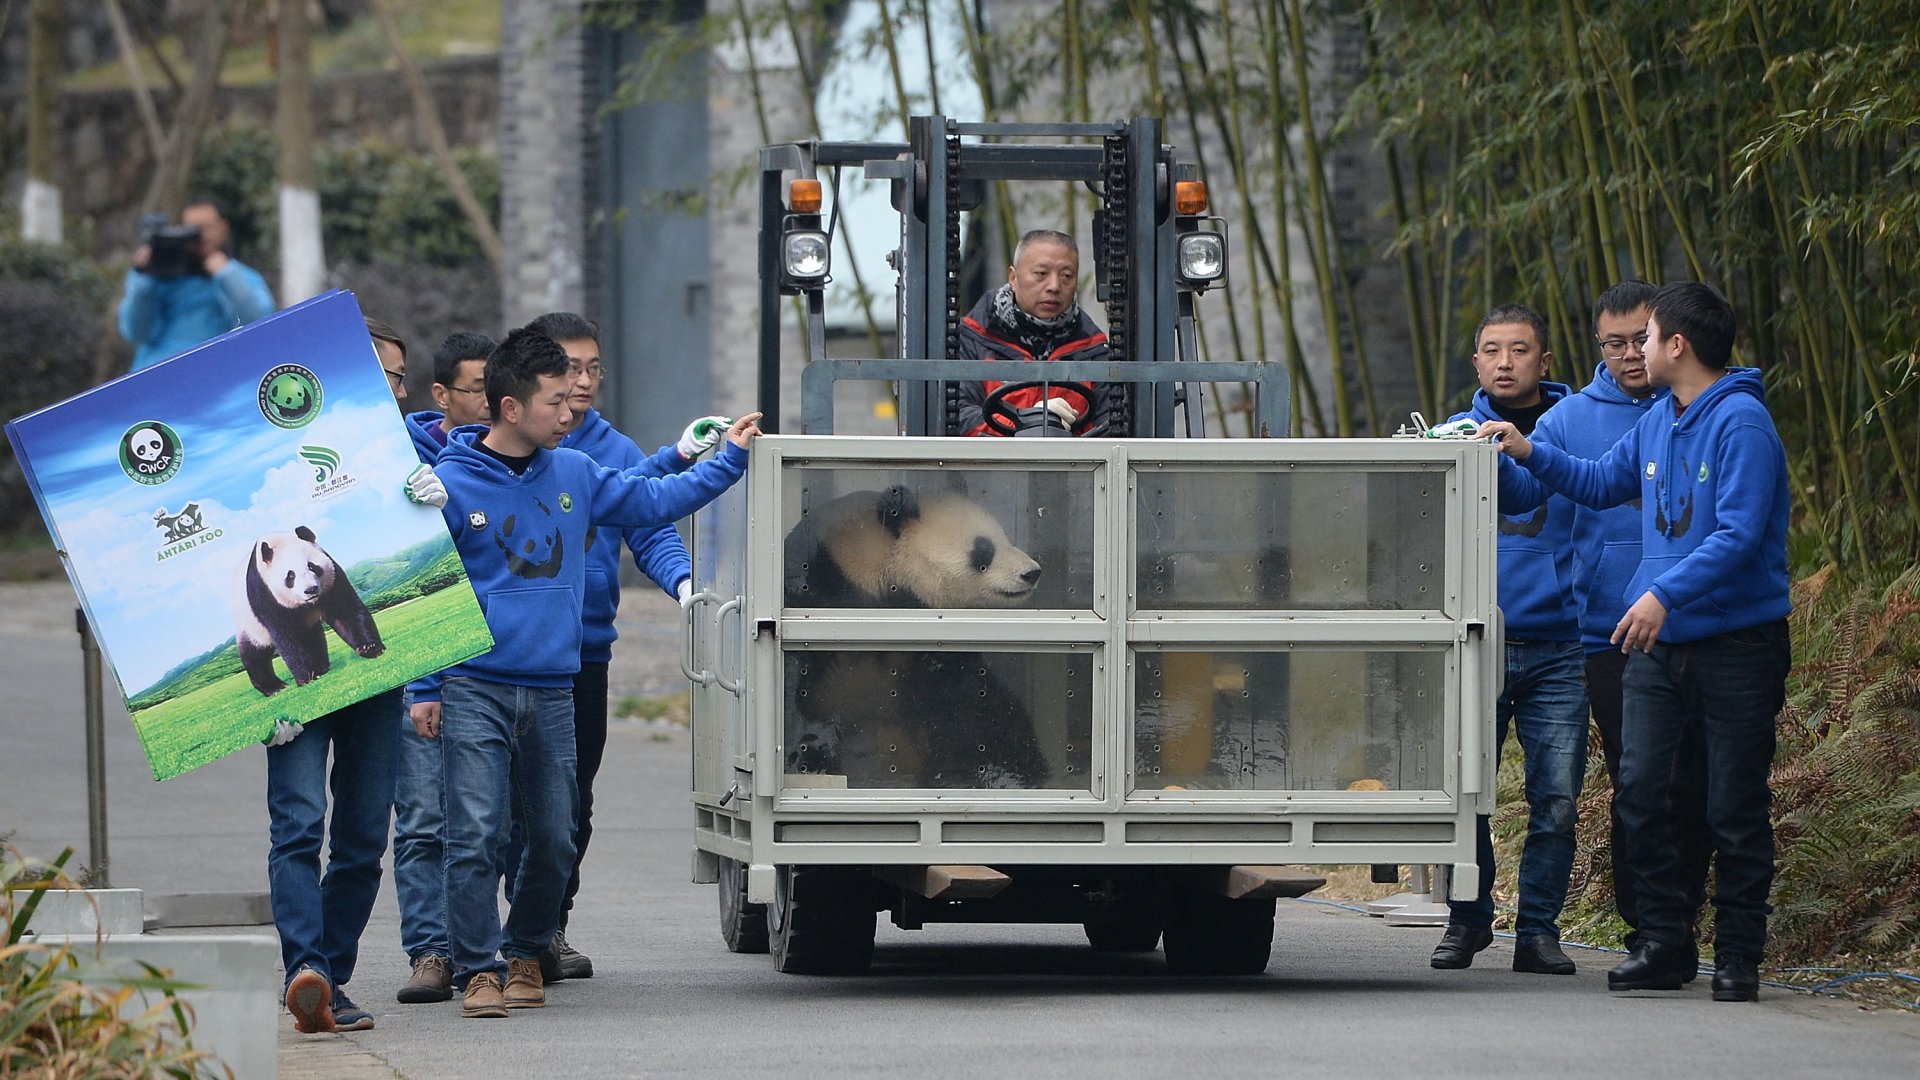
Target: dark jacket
1086	342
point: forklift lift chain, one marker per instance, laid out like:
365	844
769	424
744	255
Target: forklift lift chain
1118	218
952	308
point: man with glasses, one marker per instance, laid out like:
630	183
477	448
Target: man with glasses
1606	553
658	552
320	915
419	801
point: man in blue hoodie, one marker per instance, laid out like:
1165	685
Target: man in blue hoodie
1606	553
1544	699
520	506
1705	634
658	552
419	800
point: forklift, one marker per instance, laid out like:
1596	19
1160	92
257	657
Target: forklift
1237	656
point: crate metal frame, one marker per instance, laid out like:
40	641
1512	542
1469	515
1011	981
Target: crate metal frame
739	642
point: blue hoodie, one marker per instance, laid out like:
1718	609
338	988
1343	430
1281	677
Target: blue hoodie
658	552
164	318
428	440
1606	543
523	540
1713	488
1536	548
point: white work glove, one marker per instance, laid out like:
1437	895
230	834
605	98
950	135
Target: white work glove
284	732
1067	413
702	435
424	487
685	591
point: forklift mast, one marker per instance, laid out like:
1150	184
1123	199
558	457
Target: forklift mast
936	176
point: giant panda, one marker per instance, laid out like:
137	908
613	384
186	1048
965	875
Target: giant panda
285	596
876	717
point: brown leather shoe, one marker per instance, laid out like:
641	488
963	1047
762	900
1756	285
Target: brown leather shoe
483	997
310	1000
432	981
525	989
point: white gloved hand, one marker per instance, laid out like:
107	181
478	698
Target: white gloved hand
424	487
702	435
1067	413
685	591
284	732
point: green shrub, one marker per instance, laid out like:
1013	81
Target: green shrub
377	201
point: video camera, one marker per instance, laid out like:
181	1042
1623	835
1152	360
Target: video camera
172	249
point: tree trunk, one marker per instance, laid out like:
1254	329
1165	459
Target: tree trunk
40	205
303	267
170	171
437	138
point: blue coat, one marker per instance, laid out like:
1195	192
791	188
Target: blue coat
162	319
421	426
1536	547
1714	506
523	541
1606	543
658	552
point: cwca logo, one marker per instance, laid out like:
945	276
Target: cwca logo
290	396
150	453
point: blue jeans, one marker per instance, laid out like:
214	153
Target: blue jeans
320	918
419	819
1703	712
1545	700
502	743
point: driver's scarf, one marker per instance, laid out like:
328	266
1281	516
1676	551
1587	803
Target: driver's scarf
1011	322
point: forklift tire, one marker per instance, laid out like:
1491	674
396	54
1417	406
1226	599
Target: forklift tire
1212	935
1133	932
821	920
742	924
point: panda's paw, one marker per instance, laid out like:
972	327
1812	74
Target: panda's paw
371	649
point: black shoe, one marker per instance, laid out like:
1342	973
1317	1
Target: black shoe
1541	955
1735	979
1458	945
1693	961
1652	966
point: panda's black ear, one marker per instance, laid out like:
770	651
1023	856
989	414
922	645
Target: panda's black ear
266	552
303	533
898	506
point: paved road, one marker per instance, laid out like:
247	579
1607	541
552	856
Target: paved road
1345	995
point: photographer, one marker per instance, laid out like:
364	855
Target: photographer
185	288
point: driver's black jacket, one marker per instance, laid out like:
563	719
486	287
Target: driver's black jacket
1086	342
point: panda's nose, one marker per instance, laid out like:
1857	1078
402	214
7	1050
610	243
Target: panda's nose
1032	575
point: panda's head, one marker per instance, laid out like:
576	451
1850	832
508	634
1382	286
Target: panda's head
948	551
293	567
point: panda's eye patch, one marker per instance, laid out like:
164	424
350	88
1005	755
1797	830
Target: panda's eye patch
289	579
983	552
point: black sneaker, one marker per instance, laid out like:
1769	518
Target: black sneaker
347	1016
562	961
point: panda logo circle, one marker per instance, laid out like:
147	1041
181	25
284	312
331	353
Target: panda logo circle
150	453
290	396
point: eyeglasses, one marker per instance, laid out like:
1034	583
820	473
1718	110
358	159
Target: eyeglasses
464	390
592	371
395	377
1614	348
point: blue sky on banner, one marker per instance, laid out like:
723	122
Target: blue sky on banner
155	602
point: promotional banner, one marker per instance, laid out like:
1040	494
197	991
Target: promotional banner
236	524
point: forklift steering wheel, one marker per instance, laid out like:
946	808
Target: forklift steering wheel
1003	417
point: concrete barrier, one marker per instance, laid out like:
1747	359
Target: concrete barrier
236	999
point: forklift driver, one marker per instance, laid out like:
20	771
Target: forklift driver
1034	316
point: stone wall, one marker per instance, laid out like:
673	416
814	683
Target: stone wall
544	124
105	159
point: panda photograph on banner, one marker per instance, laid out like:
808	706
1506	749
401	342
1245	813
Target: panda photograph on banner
236	524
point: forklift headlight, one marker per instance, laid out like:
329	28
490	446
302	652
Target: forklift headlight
1203	258
805	257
